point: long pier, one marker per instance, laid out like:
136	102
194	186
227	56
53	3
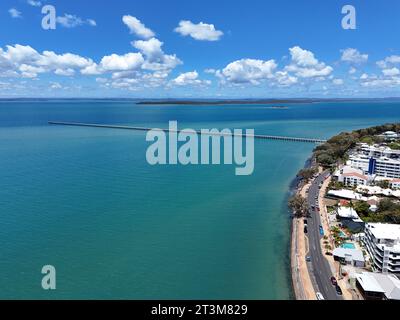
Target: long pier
199	132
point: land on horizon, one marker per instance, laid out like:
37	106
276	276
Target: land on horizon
211	101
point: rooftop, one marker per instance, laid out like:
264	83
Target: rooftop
369	283
355	254
382	283
347	212
384	230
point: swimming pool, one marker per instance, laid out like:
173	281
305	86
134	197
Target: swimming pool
348	245
342	234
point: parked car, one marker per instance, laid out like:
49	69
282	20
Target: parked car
338	290
334	281
319	296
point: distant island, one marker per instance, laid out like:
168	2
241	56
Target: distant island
227	102
276	102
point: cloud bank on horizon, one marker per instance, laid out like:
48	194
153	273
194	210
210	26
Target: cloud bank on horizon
145	67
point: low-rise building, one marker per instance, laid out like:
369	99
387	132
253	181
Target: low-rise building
351	177
382	242
347	213
394	184
345	194
376	286
389	135
349	218
352	257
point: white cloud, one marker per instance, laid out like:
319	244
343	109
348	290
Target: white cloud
137	27
210	71
92	22
129	61
352	55
127	71
72	21
14	13
337	82
156	59
390	78
352	70
201	31
150	48
388	61
189	78
55	85
65	72
380	82
284	79
28	71
34	3
25	61
305	65
63	61
248	71
391	72
303	58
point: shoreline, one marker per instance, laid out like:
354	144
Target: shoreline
300	280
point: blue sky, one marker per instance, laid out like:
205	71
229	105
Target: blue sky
156	49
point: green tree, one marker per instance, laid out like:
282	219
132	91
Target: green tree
307	174
298	205
362	208
387	205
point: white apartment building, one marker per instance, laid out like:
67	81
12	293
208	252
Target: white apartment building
383	245
352	177
383	166
377	151
390	135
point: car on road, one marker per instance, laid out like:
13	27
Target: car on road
305	229
308	258
339	290
334	281
305	221
319	296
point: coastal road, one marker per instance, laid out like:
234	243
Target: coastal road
321	270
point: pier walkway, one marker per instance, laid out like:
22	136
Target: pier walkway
255	136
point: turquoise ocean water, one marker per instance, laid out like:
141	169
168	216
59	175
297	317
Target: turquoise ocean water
86	201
